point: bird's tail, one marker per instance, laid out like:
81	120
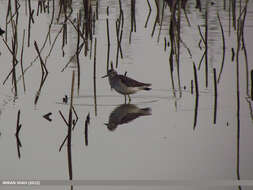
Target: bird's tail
146	111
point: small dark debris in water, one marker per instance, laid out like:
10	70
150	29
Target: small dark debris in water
227	123
65	99
184	87
233	54
125	73
1	31
47	116
212	3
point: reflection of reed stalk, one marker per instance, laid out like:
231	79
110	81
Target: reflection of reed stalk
17	134
87	122
94	76
215	96
196	96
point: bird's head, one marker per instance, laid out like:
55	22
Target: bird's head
111	73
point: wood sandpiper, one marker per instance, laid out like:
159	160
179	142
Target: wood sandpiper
125	85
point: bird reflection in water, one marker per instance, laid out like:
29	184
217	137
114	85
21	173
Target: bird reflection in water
125	113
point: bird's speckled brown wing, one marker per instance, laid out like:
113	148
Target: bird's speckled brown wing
131	82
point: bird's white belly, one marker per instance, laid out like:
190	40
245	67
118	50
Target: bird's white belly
125	90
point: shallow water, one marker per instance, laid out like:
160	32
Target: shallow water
161	146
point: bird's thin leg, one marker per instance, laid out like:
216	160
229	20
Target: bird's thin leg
125	98
129	98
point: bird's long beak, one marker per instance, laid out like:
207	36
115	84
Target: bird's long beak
105	76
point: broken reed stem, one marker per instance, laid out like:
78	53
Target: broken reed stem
187	19
165	44
12	56
133	18
45	41
21	63
64	37
30	19
251	74
70	121
239	32
229	17
72	57
6	18
52	46
178	38
187	48
149	13
206	44
156	19
74	121
119	38
51	22
77	52
43	67
43	75
215	96
234	13
108	40
223	47
96	10
108	31
14	63
67	135
245	50
94	76
161	23
198	5
196	96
